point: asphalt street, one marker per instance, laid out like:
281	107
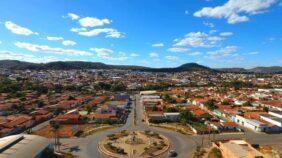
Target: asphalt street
184	145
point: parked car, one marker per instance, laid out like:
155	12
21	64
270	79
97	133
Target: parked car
172	153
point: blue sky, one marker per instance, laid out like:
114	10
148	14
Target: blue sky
155	33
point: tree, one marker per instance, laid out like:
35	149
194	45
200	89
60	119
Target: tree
170	109
215	153
210	104
56	126
248	103
40	103
118	87
58	88
58	111
225	102
186	116
266	109
71	97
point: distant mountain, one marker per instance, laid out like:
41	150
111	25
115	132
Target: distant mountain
271	69
234	70
8	64
184	67
69	65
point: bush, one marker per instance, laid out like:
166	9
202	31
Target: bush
215	153
78	133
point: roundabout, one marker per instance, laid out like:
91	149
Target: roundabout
137	144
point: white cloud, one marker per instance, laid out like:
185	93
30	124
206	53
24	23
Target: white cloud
7	55
69	43
254	53
154	55
195	53
198	39
102	52
78	29
236	11
106	54
134	55
177	49
158	45
16	29
226	34
88	22
48	49
93	22
73	16
110	33
212	31
171	58
52	38
0	42
226	51
209	24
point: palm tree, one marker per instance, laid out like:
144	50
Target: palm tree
55	126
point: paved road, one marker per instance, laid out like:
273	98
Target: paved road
183	144
87	147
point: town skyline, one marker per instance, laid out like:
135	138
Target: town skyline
164	34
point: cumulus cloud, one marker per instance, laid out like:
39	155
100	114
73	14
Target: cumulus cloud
93	22
198	39
195	53
73	16
226	51
88	28
8	55
154	55
171	58
78	29
134	55
48	49
107	54
52	38
177	49
254	53
209	24
69	43
17	29
110	33
158	45
236	11
102	52
226	34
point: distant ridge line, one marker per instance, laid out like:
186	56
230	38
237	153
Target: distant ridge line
80	65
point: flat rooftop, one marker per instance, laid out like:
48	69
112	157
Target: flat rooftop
22	146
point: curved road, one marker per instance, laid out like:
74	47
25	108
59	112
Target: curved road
87	147
183	144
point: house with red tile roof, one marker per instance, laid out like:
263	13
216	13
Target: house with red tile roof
69	119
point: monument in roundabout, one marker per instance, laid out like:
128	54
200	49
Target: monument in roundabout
134	144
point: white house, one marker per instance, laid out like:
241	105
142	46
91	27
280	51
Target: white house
276	113
272	119
250	123
239	103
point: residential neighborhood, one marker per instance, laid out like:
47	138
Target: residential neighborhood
140	79
81	103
